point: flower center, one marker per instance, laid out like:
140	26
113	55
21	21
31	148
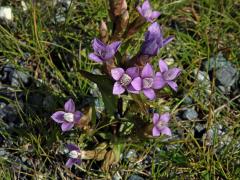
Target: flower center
74	154
147	83
69	117
160	124
125	80
148	13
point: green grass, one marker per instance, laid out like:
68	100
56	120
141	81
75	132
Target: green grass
59	50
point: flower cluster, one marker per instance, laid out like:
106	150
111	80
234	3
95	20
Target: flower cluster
129	75
137	79
68	118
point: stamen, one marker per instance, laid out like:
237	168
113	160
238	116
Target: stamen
69	117
125	80
74	154
147	83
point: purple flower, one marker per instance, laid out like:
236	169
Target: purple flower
124	80
147	12
68	117
74	155
103	52
167	76
160	124
147	82
154	40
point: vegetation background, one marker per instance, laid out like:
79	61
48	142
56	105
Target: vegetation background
48	43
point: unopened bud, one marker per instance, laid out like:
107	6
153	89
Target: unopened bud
103	32
118	7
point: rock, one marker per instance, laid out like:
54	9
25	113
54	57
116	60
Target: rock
3	152
204	80
131	155
226	74
19	77
117	176
190	114
135	177
169	61
187	100
6	13
10	113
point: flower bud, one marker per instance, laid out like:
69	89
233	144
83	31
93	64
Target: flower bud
103	32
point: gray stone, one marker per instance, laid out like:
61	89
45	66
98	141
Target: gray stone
226	75
131	155
204	80
19	77
2	152
117	176
190	114
135	177
6	13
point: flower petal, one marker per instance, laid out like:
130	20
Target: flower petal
146	6
155	118
155	131
131	89
133	72
77	116
137	83
72	147
162	66
98	45
58	116
139	9
150	47
171	74
149	93
69	106
95	58
154	28
115	45
166	130
118	88
165	117
158	81
117	73
173	85
155	15
67	126
167	40
147	71
70	162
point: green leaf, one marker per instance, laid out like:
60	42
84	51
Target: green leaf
105	86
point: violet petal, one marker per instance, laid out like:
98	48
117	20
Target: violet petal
77	116
94	57
166	130
117	73
118	88
173	85
155	131
155	118
69	106
162	66
58	116
67	126
133	72
171	74
165	117
149	93
147	71
137	83
73	147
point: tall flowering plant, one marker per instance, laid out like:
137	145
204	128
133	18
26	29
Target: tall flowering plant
126	77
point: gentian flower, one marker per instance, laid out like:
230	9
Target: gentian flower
167	76
147	12
68	117
74	155
154	40
103	52
124	80
147	82
160	124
